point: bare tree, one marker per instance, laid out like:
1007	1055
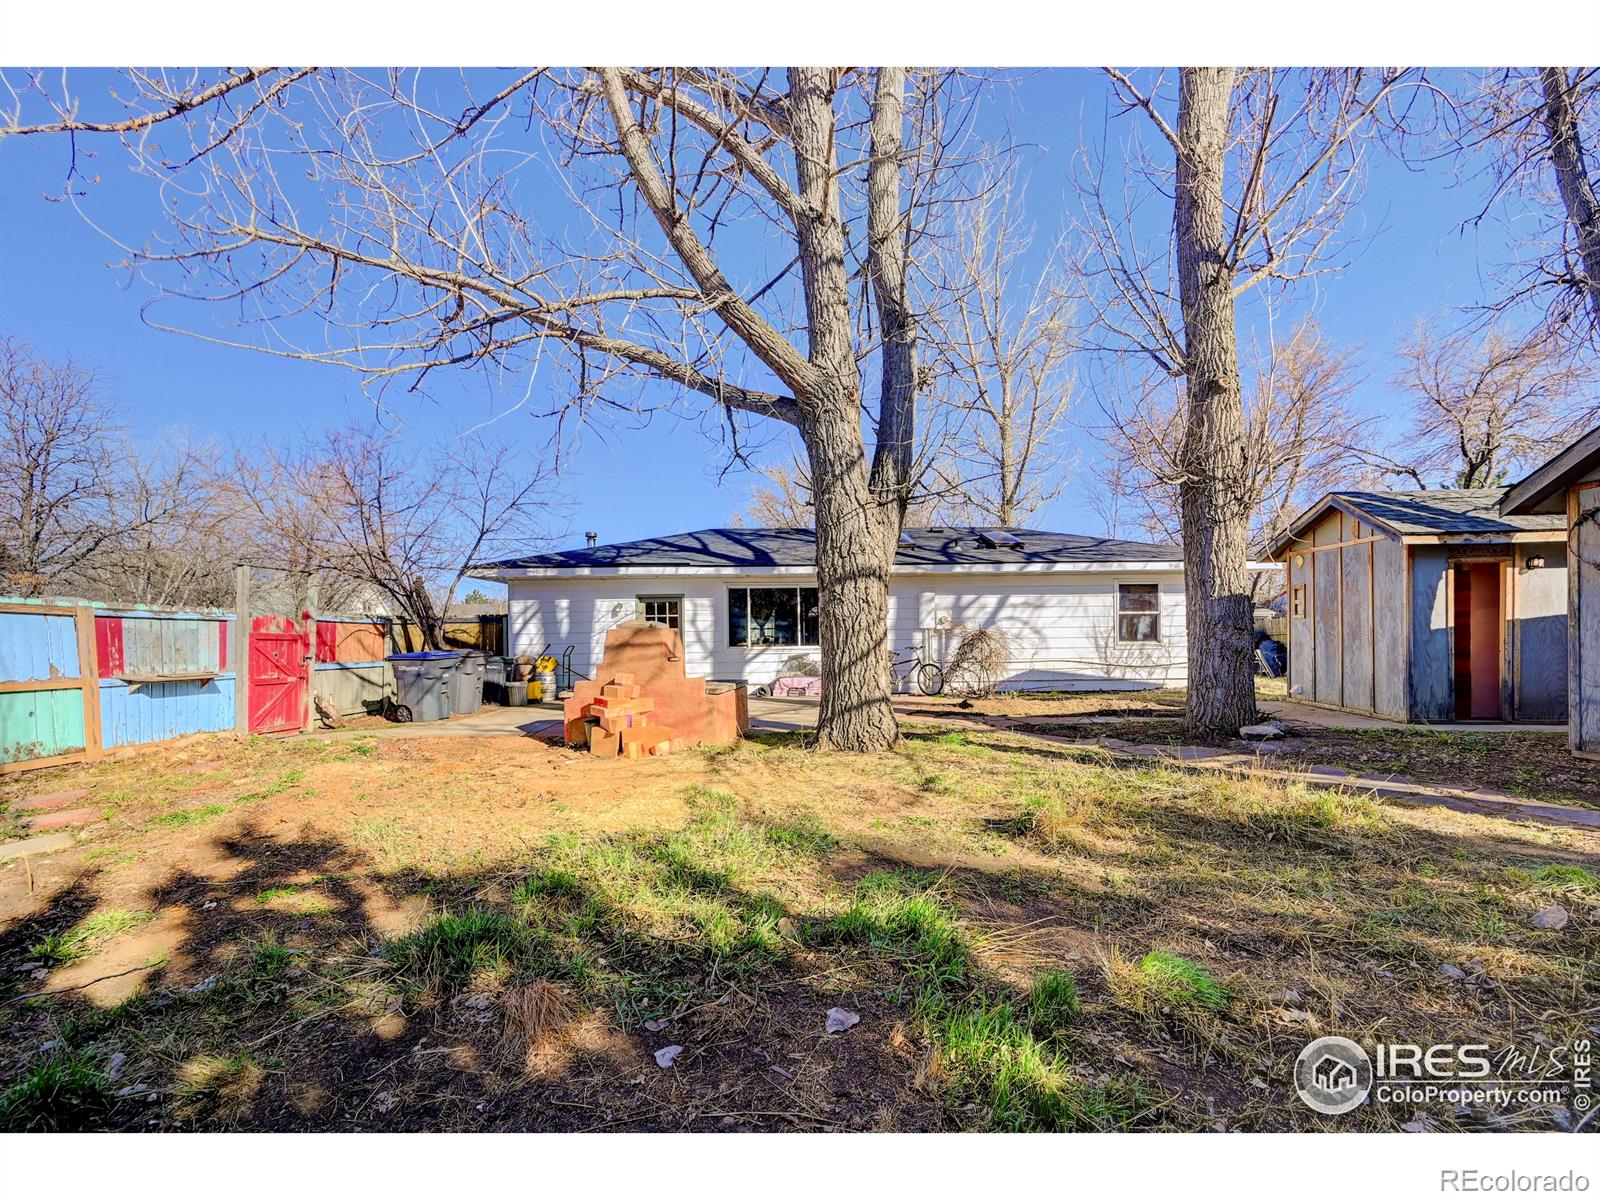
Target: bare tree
363	505
1301	439
781	498
1001	348
1485	403
1526	134
66	470
1261	166
390	203
183	529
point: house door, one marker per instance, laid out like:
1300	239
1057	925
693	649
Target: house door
278	666
1479	621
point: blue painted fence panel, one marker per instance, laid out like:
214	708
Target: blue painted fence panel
38	646
154	712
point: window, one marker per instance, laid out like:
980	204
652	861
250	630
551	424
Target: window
1297	601
772	616
1138	612
663	610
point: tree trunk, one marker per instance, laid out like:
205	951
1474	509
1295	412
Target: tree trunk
1572	180
1212	492
856	536
857	524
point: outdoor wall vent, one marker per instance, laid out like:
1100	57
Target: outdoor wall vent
592	538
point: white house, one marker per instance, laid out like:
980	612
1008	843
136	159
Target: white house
1081	612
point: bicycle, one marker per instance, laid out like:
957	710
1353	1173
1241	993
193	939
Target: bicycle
929	676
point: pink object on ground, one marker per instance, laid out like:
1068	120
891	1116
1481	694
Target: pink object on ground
797	685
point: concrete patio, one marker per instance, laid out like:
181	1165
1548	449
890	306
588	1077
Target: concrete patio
544	720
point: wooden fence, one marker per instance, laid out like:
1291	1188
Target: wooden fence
78	679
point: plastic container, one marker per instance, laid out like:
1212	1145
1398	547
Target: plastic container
517	693
466	696
422	684
494	680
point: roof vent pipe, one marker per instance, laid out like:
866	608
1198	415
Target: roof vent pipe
592	538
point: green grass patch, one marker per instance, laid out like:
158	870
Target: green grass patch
1052	1003
1563	875
87	936
1178	982
67	1092
190	816
994	1053
454	947
804	833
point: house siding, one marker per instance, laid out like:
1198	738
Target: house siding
1063	623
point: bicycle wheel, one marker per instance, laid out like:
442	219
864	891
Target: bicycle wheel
930	679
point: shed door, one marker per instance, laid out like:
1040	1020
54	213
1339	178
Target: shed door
277	675
1478	651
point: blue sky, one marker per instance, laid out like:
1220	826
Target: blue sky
63	292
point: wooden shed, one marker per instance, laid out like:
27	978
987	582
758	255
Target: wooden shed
1427	606
1567	489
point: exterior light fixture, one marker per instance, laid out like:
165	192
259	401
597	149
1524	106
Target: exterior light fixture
1535	561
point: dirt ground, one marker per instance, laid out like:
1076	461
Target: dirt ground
356	932
1534	765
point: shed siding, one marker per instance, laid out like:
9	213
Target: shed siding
1389	629
1431	676
1355	583
1302	629
1064	624
1583	668
1539	635
1328	648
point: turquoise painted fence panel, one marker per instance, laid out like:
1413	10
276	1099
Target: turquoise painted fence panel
40	724
154	712
38	646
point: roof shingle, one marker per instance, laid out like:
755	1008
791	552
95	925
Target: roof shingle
947	545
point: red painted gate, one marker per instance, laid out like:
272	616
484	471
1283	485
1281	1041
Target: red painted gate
277	695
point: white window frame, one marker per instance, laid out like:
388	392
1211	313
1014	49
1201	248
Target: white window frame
1117	614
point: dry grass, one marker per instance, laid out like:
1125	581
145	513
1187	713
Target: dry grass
1030	933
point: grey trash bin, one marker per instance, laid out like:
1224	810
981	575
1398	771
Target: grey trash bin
422	684
466	695
494	680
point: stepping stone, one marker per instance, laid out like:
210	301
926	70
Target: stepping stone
47	802
45	843
64	818
50	799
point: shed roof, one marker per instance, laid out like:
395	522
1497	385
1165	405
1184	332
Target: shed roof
1441	512
946	545
1553	475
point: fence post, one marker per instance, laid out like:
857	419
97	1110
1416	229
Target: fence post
89	671
241	659
311	654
